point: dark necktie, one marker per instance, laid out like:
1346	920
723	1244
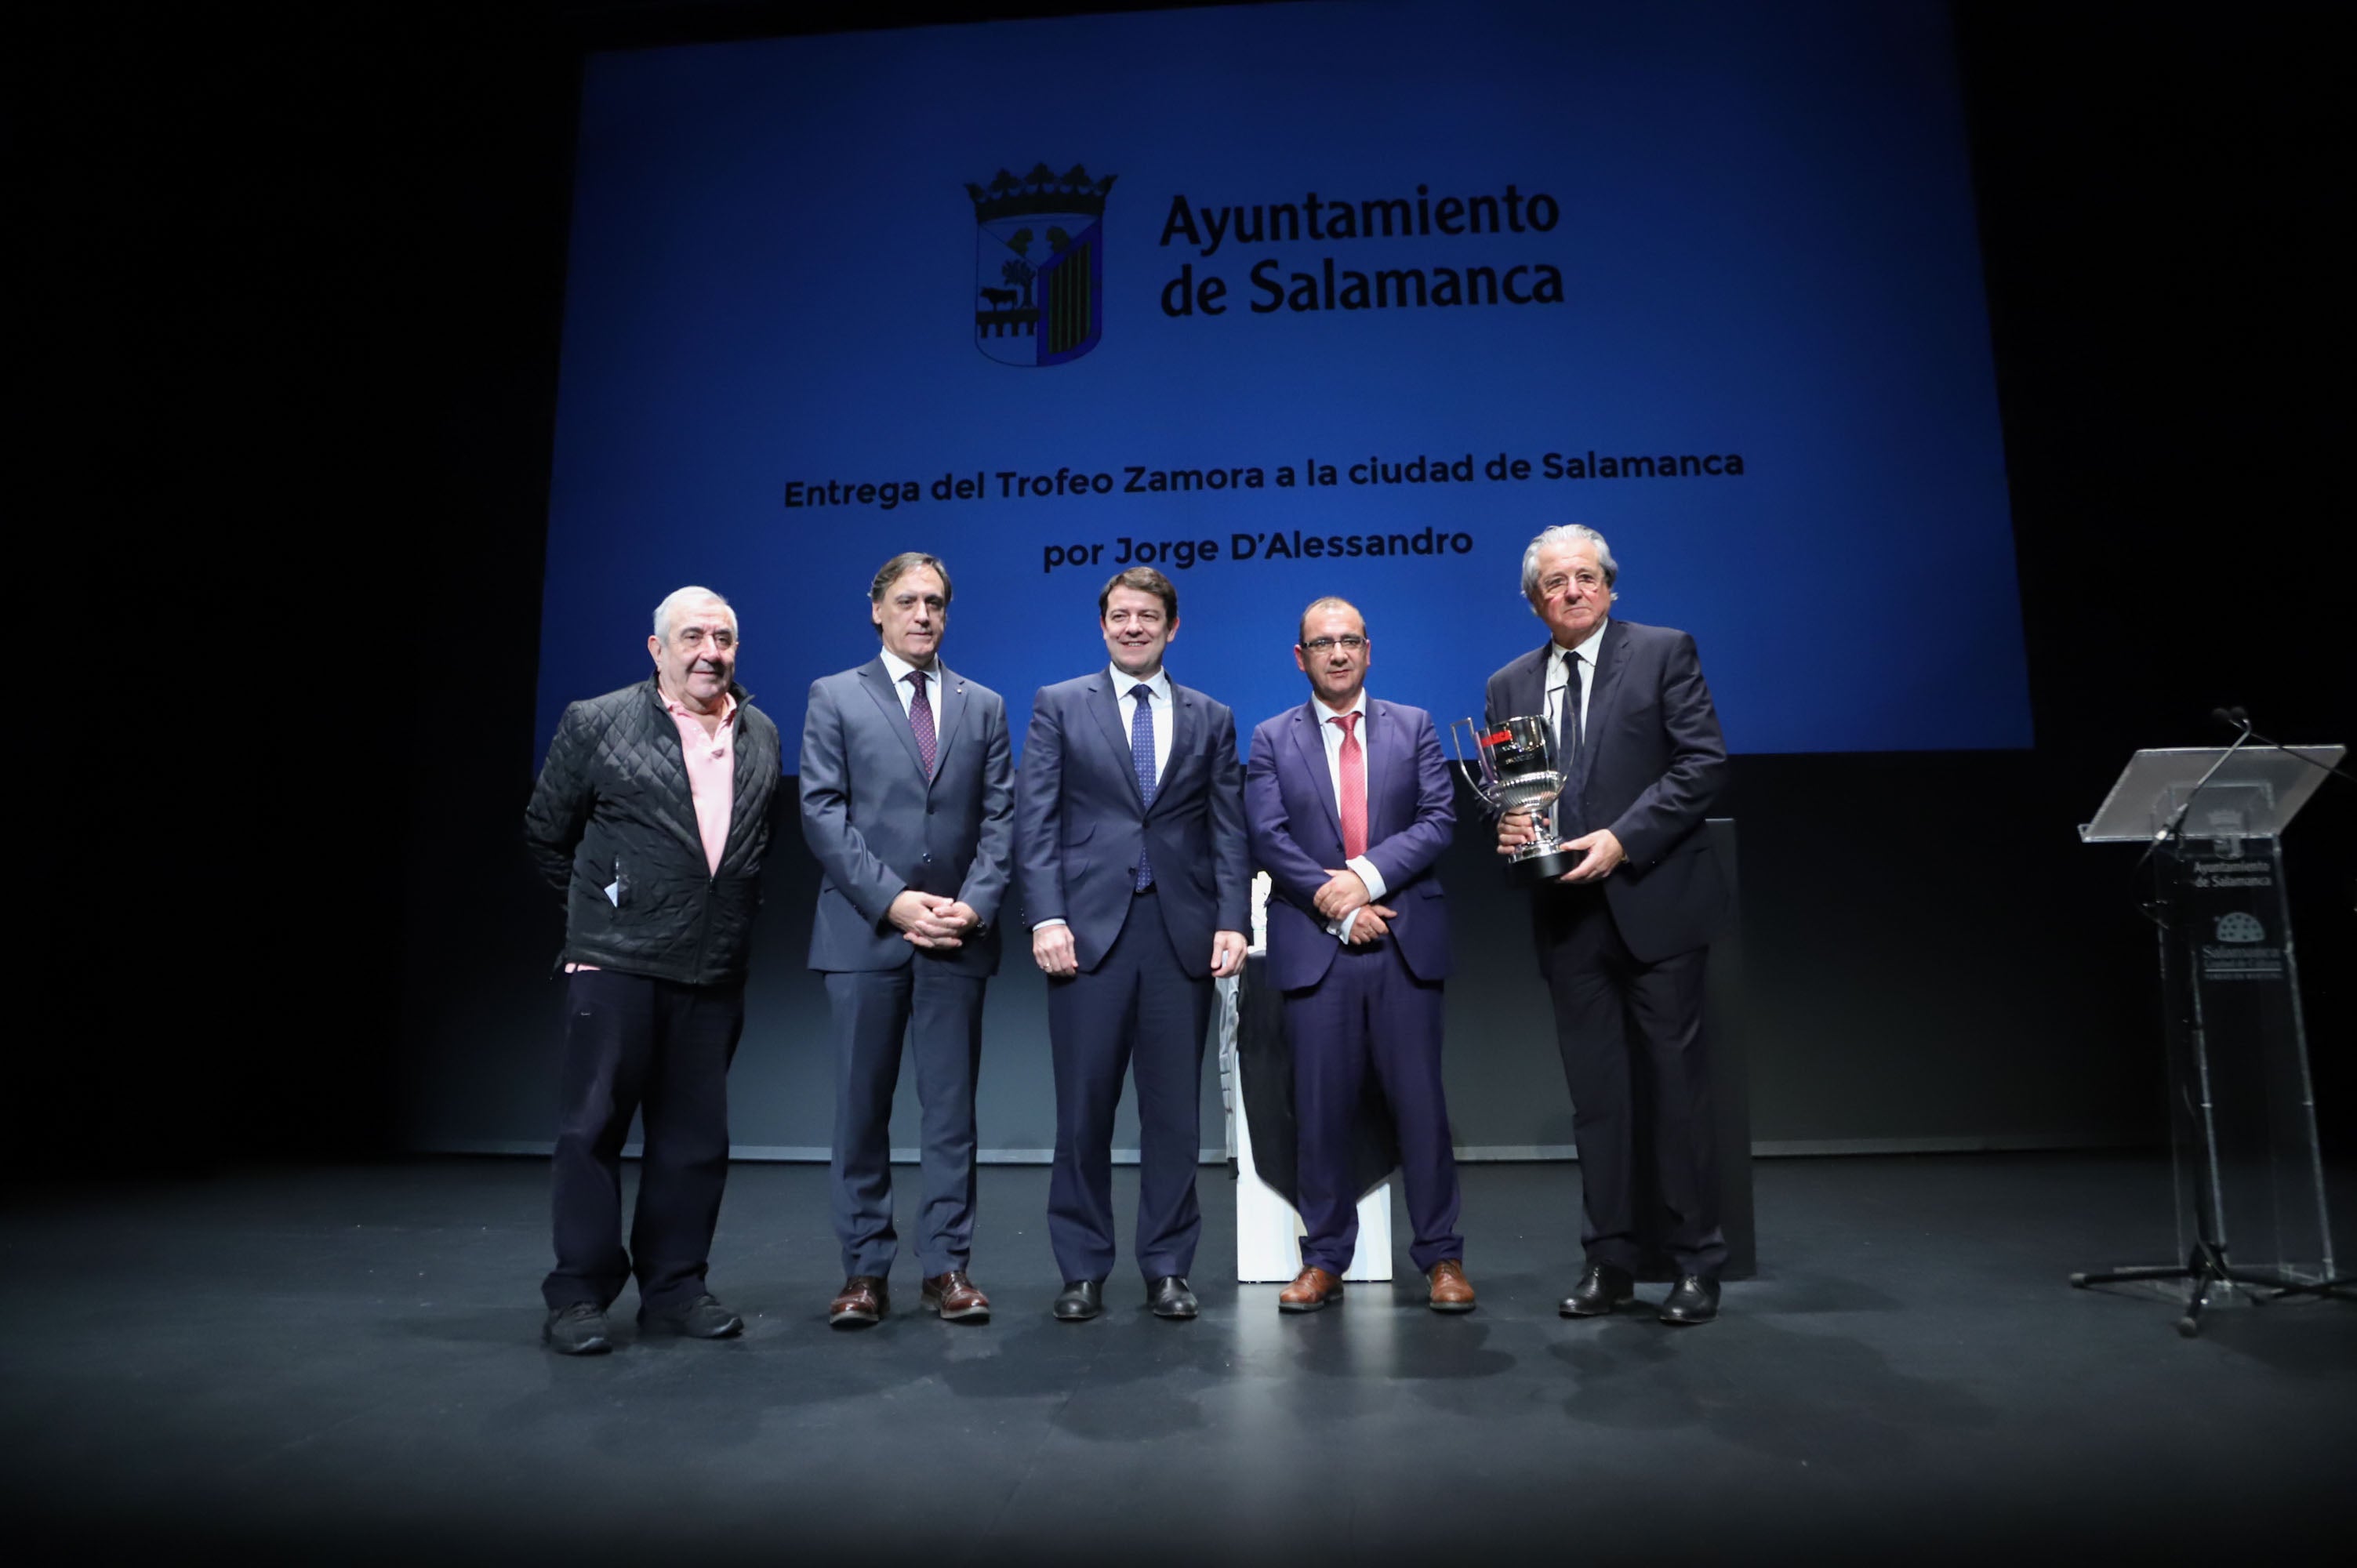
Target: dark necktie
920	718
1567	741
1141	757
1567	749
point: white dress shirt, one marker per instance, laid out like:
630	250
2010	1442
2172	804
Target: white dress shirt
1558	678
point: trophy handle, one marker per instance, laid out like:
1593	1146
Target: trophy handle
1481	787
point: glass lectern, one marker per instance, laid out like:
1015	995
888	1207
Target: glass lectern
2249	1183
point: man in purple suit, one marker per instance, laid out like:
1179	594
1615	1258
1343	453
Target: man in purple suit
1349	806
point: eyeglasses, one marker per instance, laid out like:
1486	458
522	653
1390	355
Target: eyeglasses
1329	644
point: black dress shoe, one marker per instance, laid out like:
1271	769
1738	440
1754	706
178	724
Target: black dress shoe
1693	1300
703	1318
1599	1290
576	1330
1082	1300
1170	1297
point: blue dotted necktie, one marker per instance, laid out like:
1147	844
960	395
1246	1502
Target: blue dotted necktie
1141	757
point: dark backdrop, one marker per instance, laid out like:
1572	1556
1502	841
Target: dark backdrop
292	333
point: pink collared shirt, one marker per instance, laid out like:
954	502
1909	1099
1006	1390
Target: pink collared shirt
711	771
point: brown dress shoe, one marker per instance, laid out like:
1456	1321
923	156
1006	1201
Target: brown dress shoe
862	1301
953	1296
1450	1290
1312	1288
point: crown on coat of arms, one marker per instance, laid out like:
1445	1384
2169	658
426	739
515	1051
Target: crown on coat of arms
1041	190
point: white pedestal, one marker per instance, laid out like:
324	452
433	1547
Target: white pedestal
1268	1232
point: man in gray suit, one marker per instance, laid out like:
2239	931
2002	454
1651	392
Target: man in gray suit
908	804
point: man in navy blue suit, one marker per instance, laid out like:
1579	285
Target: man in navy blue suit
1130	837
1622	935
1351	806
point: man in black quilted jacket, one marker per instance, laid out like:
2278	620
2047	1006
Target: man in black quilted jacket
650	818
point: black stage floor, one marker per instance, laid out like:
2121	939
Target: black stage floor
342	1365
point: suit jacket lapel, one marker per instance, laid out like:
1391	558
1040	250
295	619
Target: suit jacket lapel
1612	648
1106	704
1526	687
1185	717
878	681
1387	763
1310	740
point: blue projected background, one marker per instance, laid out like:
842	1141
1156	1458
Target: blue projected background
1763	258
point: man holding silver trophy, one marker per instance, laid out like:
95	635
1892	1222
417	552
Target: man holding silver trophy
1610	725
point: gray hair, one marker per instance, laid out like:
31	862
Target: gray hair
1561	535
678	598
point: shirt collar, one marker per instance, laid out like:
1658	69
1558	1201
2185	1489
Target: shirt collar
1557	653
898	668
1159	683
1325	714
680	710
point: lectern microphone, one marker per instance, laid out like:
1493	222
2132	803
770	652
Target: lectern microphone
2236	718
2176	828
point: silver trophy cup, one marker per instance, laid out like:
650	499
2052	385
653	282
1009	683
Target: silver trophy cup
1513	768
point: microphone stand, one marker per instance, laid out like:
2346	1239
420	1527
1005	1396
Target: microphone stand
2242	721
2174	832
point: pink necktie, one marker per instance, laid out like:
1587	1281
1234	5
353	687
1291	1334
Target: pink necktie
1354	788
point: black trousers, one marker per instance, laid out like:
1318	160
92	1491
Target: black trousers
1136	1013
636	1044
1638	1070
